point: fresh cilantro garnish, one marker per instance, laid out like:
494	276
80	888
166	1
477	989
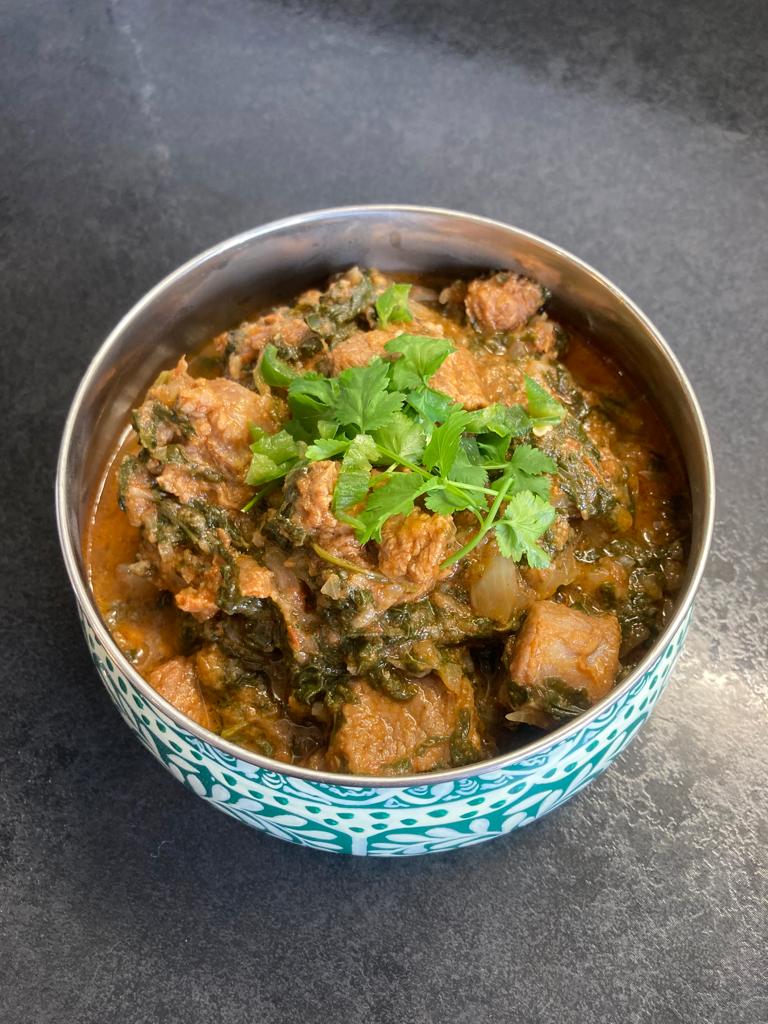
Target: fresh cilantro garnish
443	446
523	521
392	305
402	437
468	465
326	448
544	410
421	356
311	399
432	406
526	471
502	420
273	455
355	475
425	446
363	401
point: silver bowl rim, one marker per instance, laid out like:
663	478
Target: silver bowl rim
340	780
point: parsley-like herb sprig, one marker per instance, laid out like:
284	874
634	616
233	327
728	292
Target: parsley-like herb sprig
400	441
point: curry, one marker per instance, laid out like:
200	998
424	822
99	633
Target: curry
397	526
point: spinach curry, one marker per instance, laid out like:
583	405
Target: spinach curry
395	527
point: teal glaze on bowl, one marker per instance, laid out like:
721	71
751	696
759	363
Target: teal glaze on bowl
380	817
389	821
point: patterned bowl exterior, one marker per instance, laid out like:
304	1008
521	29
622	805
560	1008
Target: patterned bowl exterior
391	821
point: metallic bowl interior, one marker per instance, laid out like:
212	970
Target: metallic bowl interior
221	287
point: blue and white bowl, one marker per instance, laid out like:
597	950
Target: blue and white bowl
381	817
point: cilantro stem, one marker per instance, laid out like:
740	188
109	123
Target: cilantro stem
484	528
443	481
467	487
342	563
262	492
403	462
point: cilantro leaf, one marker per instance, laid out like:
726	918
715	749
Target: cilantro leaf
526	471
532	461
421	356
544	410
392	305
394	496
447	500
401	436
459	491
327	429
502	420
526	517
355	475
273	455
363	401
493	449
311	399
467	467
444	443
326	448
433	406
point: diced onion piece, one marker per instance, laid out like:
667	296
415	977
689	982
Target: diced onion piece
500	593
530	715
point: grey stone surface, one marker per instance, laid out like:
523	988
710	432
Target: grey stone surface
136	133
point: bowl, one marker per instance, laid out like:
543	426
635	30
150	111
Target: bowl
381	817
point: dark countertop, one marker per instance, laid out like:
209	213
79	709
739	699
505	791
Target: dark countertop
138	133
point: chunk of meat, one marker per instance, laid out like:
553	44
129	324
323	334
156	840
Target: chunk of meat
198	429
376	735
163	559
212	667
413	547
543	337
557	642
137	497
503	302
243	346
181	481
253	579
200	600
220	412
459	378
289	596
177	681
360	348
312	510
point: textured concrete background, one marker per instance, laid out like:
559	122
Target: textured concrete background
137	133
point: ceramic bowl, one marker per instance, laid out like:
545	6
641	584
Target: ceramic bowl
381	817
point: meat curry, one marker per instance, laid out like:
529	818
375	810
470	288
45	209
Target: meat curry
397	526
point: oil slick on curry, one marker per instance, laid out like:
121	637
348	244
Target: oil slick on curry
395	527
